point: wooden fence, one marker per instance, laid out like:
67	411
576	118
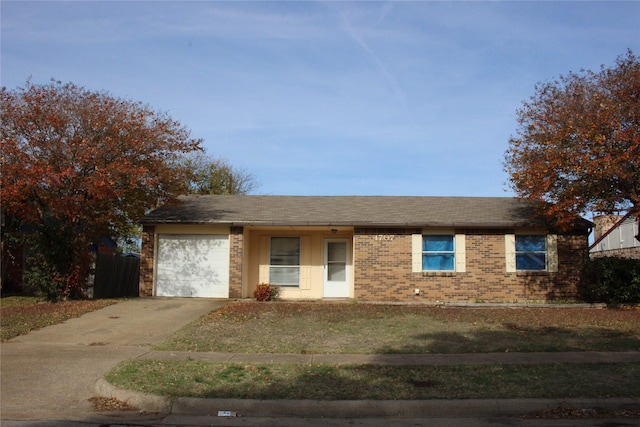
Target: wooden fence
116	276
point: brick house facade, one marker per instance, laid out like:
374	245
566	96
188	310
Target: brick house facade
365	248
385	273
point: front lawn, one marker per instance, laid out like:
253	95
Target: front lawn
347	327
290	327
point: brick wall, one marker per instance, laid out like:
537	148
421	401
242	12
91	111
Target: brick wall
633	253
383	270
146	261
236	244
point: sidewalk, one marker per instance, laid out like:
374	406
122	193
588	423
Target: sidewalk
51	373
406	359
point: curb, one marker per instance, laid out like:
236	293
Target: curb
452	408
145	402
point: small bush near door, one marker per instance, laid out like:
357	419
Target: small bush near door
265	292
611	280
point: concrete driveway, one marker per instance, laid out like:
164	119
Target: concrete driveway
51	373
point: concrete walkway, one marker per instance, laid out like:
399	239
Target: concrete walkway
50	374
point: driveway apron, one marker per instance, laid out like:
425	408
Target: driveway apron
52	372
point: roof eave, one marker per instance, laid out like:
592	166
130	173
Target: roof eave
497	225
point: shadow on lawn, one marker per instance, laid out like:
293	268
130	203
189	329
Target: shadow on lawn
518	339
374	382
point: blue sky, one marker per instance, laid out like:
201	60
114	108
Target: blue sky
327	98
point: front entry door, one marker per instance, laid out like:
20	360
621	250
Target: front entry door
336	268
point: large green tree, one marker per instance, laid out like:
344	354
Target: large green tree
211	175
77	165
577	147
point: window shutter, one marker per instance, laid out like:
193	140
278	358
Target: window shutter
460	248
305	262
263	273
510	252
416	253
552	253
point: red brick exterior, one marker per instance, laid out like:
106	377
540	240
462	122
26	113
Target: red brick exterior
236	245
147	261
383	270
632	253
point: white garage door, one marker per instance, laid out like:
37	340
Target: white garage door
193	266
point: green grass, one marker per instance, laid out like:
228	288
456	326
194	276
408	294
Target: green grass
355	382
284	327
21	315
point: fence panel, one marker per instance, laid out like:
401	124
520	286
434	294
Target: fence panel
116	276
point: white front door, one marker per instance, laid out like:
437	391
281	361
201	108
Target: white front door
336	268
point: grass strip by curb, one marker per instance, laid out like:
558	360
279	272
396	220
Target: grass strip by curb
200	379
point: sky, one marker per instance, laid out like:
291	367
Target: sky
327	97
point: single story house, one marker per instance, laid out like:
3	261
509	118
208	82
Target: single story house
366	248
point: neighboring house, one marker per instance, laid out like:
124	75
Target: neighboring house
615	235
368	248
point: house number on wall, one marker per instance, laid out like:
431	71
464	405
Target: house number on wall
384	237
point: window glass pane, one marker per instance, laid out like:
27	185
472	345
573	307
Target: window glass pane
337	251
531	243
284	276
285	261
285	251
437	262
337	272
437	243
531	261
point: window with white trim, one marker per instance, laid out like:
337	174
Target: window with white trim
284	261
531	252
438	252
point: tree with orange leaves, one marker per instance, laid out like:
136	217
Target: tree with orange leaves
577	147
78	165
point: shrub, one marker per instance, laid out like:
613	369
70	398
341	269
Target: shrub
266	292
611	280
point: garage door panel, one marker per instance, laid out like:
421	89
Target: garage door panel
193	266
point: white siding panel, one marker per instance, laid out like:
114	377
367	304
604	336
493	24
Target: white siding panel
305	260
263	269
416	253
552	253
510	252
461	256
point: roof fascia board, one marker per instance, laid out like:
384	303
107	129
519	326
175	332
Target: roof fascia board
506	225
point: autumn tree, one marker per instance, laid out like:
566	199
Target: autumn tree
577	147
211	175
77	165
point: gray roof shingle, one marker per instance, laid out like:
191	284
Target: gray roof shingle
361	211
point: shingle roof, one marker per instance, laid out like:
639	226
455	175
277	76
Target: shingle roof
362	211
